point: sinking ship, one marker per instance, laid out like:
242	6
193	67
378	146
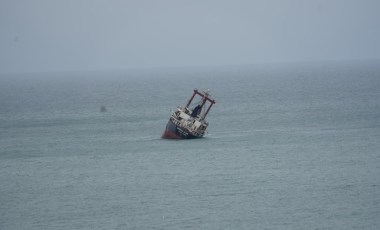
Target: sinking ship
189	122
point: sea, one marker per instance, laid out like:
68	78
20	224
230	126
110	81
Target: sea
289	146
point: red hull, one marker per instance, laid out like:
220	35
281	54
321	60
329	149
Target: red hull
168	134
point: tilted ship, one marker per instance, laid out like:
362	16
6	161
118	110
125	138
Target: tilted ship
189	122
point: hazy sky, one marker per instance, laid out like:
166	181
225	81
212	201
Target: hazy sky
63	35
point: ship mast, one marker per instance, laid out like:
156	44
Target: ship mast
205	97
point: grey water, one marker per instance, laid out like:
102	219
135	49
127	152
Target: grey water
288	147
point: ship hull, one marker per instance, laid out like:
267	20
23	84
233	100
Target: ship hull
172	131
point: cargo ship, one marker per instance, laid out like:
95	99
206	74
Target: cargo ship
189	122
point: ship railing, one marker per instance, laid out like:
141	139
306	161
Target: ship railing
176	121
194	132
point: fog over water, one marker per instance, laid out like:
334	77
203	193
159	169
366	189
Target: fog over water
43	35
87	88
288	148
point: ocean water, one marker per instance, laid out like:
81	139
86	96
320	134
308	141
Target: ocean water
289	147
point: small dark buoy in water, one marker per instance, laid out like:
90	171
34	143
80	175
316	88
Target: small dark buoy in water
103	109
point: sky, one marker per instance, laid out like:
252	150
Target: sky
70	35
